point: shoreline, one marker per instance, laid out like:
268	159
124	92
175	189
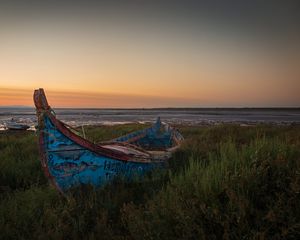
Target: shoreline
180	124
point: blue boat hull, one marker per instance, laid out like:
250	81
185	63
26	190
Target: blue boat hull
69	164
69	160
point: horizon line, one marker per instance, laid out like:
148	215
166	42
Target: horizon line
146	108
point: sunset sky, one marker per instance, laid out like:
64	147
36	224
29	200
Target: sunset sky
133	54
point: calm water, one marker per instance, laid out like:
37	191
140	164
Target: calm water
77	117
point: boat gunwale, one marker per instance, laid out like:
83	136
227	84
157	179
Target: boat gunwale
43	111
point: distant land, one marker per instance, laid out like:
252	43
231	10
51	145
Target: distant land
164	108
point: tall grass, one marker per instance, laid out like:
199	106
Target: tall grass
235	192
226	182
19	162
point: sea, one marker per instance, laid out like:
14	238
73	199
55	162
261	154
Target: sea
176	116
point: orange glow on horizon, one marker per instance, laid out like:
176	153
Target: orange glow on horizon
85	99
23	97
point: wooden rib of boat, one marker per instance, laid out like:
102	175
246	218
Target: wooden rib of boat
69	160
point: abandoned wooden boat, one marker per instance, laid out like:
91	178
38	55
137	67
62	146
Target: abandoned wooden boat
69	160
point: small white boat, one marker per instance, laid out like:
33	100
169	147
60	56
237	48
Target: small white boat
13	125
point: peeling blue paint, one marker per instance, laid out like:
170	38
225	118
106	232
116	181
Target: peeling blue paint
71	165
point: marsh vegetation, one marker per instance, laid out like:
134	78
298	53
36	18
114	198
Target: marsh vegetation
225	182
